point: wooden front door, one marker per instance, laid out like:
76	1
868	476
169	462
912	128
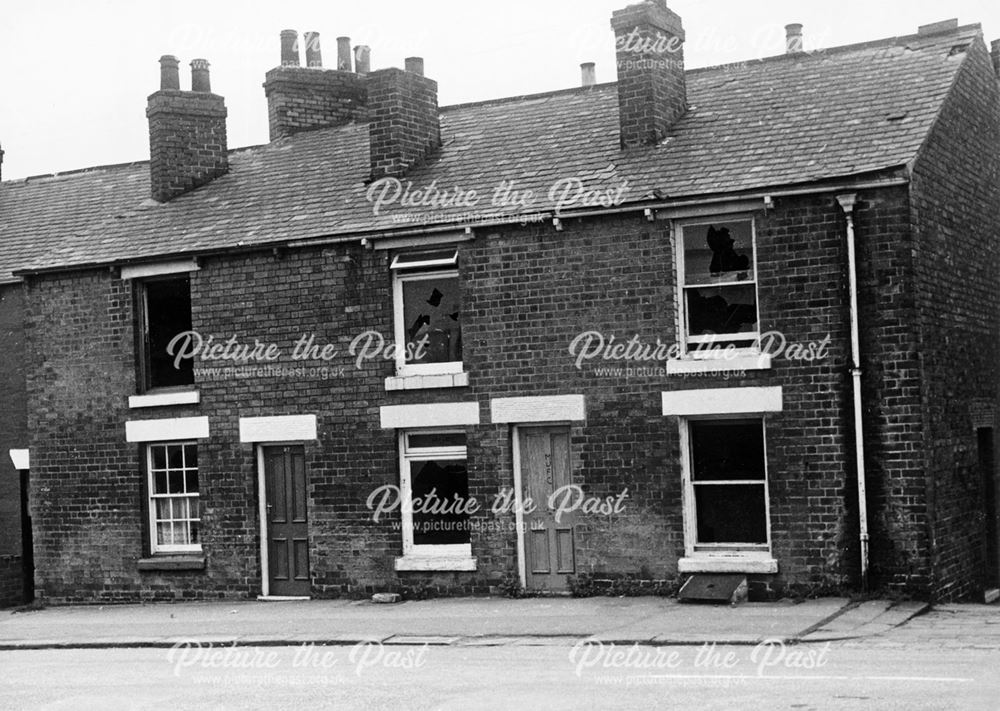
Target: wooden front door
549	546
287	525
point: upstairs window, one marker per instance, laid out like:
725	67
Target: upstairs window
718	277
427	312
164	312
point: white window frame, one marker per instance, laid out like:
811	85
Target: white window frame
152	498
694	549
422	454
432	268
682	326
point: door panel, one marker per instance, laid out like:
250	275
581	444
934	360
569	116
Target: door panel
550	547
287	521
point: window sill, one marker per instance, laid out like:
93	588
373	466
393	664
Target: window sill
728	564
162	399
188	561
427	562
718	364
424	382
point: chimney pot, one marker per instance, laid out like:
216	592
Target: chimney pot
169	73
588	74
344	54
1	162
362	59
793	38
415	65
314	57
289	48
199	76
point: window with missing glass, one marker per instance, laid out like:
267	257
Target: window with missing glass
435	493
727	484
164	312
427	311
174	495
718	280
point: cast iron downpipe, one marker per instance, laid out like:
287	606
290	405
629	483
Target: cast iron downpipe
847	202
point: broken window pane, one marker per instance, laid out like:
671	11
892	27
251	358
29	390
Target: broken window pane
168	313
431	319
719	252
721	310
728	481
438	488
436	439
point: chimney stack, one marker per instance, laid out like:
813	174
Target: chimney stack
405	125
314	56
588	74
1	162
344	54
187	132
304	98
995	54
652	90
289	48
793	38
362	59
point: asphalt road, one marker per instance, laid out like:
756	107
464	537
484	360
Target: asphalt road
856	675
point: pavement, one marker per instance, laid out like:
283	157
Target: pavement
450	621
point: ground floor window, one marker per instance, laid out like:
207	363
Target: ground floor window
435	493
174	513
727	484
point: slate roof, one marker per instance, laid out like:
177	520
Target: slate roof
780	121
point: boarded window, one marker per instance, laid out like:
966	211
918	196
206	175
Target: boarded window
728	481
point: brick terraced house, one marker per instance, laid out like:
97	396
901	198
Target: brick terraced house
734	320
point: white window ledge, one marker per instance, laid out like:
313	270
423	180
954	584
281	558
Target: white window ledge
429	562
727	564
423	382
184	397
717	365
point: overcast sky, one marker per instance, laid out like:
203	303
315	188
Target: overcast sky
74	75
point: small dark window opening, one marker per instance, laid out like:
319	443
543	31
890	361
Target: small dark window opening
166	313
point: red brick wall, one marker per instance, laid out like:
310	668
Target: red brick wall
956	210
13	435
302	98
528	293
187	141
11	581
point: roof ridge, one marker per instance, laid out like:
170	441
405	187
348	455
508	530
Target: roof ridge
867	44
524	97
107	166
